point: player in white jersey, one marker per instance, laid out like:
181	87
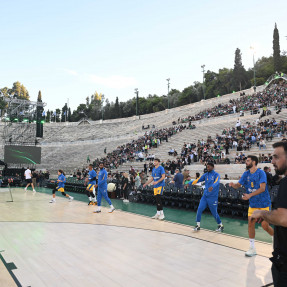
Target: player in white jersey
28	177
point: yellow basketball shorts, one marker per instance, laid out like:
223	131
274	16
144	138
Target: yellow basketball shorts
61	189
90	187
252	209
158	190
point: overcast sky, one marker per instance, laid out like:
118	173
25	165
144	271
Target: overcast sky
70	49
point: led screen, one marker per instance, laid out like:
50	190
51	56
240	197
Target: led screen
22	154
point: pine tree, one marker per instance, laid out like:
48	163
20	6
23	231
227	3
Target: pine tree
19	91
276	50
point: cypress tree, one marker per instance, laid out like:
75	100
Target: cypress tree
238	71
276	50
39	99
39	126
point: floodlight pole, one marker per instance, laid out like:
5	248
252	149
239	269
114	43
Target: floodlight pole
103	98
168	92
137	99
254	71
203	71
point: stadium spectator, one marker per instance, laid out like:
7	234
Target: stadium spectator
178	179
262	144
171	151
125	187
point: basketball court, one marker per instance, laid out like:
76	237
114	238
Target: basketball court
66	244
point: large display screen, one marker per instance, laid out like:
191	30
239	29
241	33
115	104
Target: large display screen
22	154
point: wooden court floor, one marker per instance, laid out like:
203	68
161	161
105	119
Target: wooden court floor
66	244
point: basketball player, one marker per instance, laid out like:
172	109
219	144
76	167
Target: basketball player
92	186
210	196
255	182
103	189
28	177
61	184
158	177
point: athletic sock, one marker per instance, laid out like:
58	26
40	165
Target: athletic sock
198	224
111	206
252	241
90	198
158	212
161	212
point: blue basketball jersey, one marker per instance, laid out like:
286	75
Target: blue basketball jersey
156	174
251	182
92	177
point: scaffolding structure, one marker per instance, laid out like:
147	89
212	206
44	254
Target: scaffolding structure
20	120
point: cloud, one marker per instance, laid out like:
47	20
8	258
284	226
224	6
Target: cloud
115	81
71	72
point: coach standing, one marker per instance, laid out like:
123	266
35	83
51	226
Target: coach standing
278	217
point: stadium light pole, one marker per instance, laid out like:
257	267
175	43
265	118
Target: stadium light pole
137	99
103	98
254	72
168	92
203	71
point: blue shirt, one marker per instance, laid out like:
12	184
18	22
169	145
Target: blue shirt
156	174
211	179
63	180
178	179
251	182
102	179
92	177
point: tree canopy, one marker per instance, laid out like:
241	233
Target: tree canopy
216	83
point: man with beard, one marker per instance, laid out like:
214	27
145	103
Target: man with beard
103	189
278	217
255	182
210	196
